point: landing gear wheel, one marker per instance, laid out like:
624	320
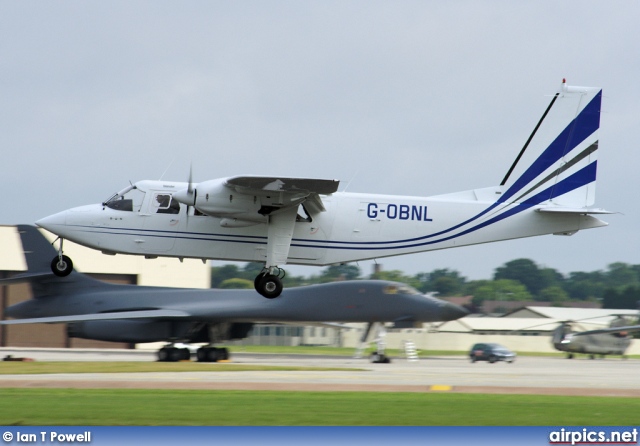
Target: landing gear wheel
268	285
61	266
379	358
210	354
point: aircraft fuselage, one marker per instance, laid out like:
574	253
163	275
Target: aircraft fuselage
353	226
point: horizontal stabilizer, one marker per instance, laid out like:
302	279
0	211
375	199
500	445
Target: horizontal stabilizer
568	210
27	278
142	314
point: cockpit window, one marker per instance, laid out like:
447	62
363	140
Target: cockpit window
129	199
165	204
400	289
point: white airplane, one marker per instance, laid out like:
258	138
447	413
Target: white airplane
549	189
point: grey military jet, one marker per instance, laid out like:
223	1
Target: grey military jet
136	314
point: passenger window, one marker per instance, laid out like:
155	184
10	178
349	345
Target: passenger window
165	204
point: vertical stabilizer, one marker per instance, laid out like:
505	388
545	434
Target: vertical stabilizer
557	165
38	252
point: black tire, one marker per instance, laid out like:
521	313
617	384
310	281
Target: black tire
186	354
61	266
213	354
256	281
473	359
492	359
224	354
163	354
175	354
202	354
270	286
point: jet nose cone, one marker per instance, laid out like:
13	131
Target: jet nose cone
451	312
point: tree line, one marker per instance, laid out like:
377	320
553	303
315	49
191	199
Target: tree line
617	287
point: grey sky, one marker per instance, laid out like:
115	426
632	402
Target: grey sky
398	97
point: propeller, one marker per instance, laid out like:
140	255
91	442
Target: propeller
187	196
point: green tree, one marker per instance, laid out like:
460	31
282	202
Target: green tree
554	294
585	286
236	283
621	275
524	271
221	273
502	289
626	299
339	272
396	276
445	282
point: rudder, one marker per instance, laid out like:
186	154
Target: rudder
558	163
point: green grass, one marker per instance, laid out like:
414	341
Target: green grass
33	368
117	407
347	351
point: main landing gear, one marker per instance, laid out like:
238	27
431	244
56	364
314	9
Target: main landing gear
61	265
269	284
171	353
378	356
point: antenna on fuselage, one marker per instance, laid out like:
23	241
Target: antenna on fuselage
165	170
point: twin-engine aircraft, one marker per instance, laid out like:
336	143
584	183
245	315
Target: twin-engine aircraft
549	189
136	314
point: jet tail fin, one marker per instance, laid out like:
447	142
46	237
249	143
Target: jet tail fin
557	165
39	253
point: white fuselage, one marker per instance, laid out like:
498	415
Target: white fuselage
353	227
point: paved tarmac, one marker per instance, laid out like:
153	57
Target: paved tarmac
528	375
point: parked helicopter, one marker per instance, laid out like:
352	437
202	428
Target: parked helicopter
613	340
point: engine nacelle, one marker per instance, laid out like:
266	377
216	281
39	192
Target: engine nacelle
215	199
136	331
122	331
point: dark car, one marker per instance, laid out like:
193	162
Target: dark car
491	352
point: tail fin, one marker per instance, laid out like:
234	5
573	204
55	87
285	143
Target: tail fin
557	165
39	253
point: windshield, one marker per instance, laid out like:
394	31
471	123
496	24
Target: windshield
128	199
400	289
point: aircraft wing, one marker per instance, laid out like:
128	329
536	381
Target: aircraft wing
628	329
142	314
307	189
253	184
28	277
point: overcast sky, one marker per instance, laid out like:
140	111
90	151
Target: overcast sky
398	97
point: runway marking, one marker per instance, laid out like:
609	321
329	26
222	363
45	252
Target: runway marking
440	388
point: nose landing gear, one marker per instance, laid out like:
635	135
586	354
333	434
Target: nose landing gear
61	265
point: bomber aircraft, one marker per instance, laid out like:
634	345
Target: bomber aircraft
549	189
137	314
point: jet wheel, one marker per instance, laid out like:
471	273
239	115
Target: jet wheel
61	266
268	285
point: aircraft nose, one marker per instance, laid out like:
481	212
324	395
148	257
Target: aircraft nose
451	312
52	221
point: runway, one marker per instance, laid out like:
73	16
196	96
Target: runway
528	375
